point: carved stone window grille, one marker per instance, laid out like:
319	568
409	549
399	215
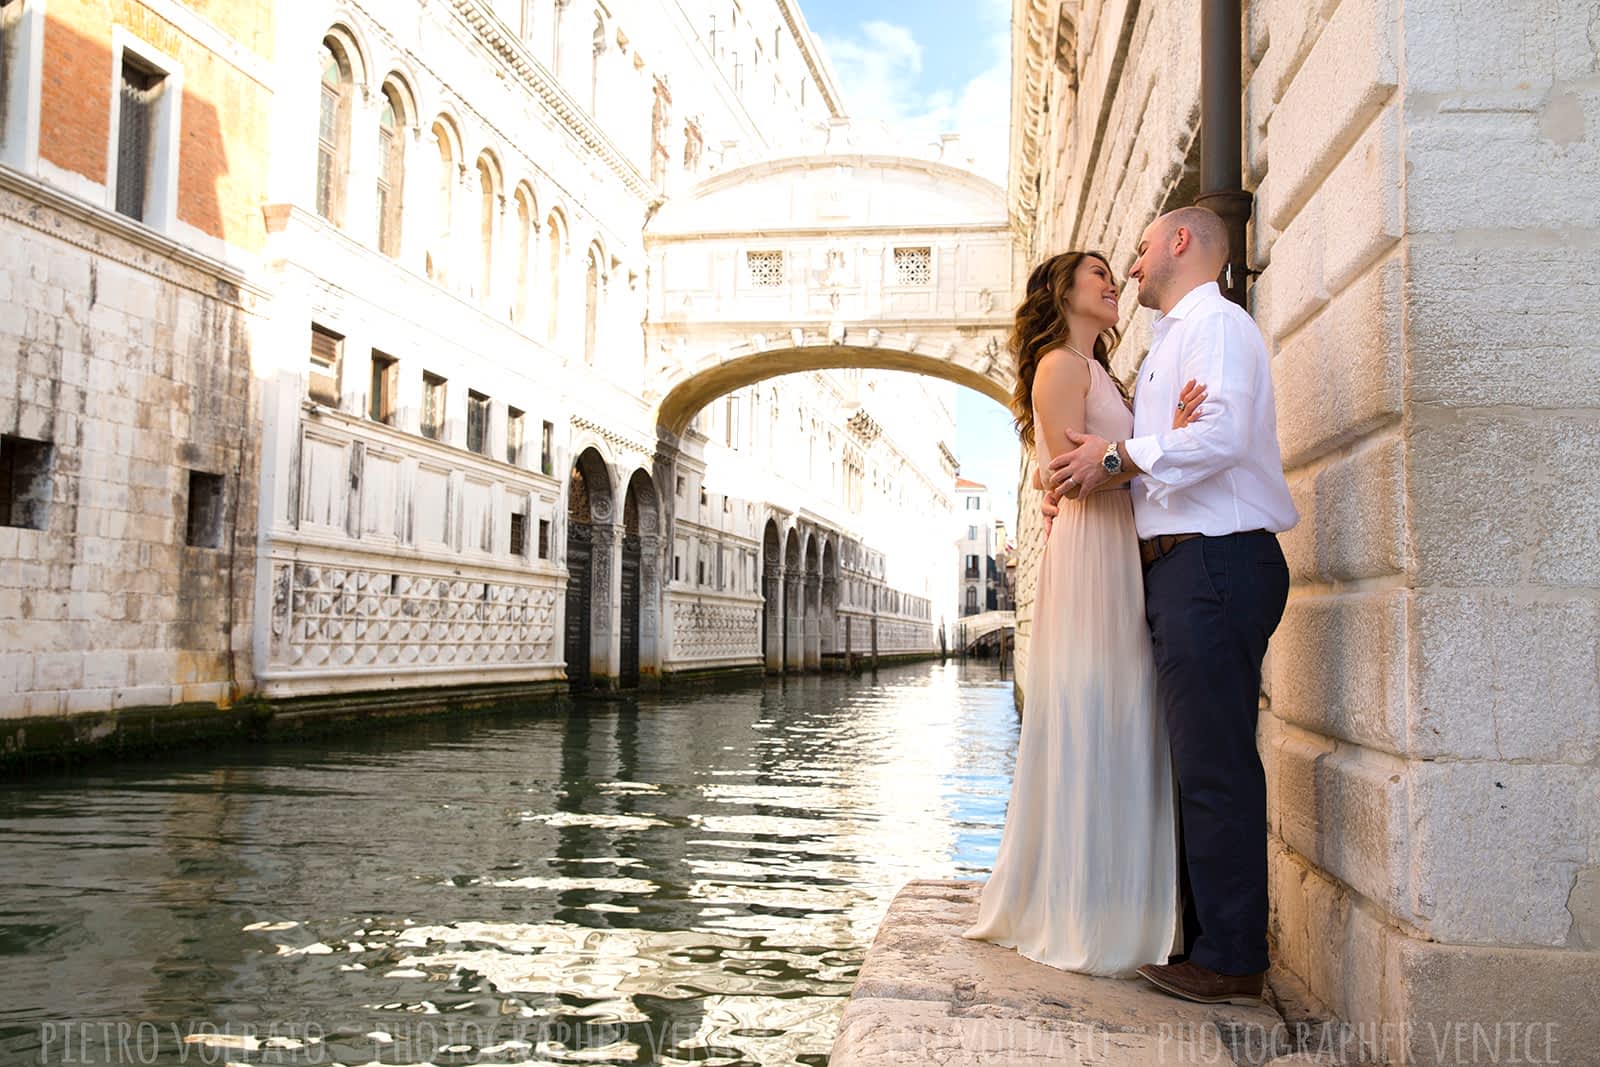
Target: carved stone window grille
766	269
913	266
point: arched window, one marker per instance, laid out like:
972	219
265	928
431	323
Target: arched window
391	171
333	130
488	217
591	302
438	253
519	299
552	227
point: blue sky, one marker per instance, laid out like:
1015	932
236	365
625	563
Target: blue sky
942	66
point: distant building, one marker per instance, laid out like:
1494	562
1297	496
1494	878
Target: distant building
982	551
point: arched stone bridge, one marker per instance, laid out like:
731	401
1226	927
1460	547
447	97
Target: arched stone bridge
836	261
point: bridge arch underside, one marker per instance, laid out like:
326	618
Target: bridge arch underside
988	373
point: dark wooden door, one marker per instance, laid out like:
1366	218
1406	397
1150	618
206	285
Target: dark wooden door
579	545
629	673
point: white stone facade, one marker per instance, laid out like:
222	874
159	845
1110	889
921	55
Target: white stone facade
491	341
1421	178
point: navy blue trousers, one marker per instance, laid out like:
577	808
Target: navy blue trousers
1212	603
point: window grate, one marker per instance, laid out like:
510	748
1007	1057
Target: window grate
766	269
913	266
519	534
135	125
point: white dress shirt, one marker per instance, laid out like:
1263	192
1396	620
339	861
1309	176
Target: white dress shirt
1222	473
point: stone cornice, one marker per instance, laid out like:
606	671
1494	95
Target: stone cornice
814	63
53	199
608	434
1032	56
514	55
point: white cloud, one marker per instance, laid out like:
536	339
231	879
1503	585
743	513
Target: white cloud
880	69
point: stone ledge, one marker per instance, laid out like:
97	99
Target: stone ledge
925	995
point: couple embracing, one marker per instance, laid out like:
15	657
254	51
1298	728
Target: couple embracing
1135	838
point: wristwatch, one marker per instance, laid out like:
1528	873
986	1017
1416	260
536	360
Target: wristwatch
1113	460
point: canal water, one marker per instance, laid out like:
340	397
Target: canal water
690	878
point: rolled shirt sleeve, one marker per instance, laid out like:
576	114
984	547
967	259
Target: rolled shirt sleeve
1215	354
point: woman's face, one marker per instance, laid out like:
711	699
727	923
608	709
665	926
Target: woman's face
1094	293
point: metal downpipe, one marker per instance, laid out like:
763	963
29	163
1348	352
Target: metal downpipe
1221	135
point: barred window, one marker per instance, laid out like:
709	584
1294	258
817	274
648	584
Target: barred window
913	266
766	269
519	534
141	88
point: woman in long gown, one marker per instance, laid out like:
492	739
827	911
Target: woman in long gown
1086	877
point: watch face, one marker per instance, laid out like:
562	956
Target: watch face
1113	463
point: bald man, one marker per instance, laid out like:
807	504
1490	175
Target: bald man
1208	501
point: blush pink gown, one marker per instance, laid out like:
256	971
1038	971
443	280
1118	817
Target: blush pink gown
1086	877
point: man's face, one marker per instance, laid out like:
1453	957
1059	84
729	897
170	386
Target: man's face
1153	269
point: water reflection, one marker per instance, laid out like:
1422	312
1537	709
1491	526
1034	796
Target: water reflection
693	878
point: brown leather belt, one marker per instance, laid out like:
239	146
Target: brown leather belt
1156	547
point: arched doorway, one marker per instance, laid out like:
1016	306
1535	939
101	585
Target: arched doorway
792	577
830	604
589	549
811	652
641	583
772	590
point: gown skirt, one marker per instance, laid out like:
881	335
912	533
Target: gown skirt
1086	876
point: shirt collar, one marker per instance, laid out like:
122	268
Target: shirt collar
1191	300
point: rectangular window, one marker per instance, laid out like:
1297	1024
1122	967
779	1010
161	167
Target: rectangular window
731	422
326	349
913	266
972	533
136	135
766	269
24	482
700	571
544	538
677	567
972	566
385	387
514	421
433	398
519	534
205	510
547	455
972	503
477	423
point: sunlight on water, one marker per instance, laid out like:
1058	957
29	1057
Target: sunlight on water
693	878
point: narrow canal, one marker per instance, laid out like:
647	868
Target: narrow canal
689	878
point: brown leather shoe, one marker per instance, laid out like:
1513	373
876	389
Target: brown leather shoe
1202	985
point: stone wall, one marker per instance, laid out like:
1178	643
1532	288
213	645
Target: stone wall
132	373
1422	183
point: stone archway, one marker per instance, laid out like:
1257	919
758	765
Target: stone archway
772	590
639	627
837	259
591	550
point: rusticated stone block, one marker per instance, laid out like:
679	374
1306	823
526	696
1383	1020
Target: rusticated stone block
1338	667
1502	501
1496	848
1504	676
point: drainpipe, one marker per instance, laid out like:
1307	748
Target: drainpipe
1221	124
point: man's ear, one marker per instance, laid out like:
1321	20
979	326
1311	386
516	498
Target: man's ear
1180	240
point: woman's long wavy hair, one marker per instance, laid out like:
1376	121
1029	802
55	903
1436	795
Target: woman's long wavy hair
1041	325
